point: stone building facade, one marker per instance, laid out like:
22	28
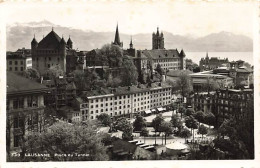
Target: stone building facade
24	109
225	103
122	101
51	51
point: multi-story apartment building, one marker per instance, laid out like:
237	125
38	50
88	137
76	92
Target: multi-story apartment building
122	101
18	62
24	108
225	103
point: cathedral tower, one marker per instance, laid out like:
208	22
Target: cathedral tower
158	40
117	38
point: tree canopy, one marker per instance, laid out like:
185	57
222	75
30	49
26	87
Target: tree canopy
125	126
104	119
111	55
157	122
139	123
129	74
64	138
184	83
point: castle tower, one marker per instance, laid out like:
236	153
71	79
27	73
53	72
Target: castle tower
158	40
182	60
117	38
34	44
69	43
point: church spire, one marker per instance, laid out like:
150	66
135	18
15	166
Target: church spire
157	30
117	38
131	43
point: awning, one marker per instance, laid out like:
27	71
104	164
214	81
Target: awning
149	147
160	109
148	112
153	110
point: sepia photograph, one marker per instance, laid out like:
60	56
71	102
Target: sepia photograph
130	81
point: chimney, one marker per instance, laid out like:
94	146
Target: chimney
160	84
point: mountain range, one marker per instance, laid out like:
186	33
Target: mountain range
21	34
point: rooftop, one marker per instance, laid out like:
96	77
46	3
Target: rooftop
123	90
19	84
161	53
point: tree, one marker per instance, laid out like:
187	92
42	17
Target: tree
113	82
210	118
182	110
166	127
129	74
123	125
185	133
31	73
184	84
159	69
113	55
189	112
200	116
227	129
64	138
104	119
55	71
202	130
211	84
156	123
87	80
139	123
191	123
144	132
176	122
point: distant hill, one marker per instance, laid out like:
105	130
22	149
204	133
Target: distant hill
20	35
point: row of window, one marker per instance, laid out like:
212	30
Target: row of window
15	62
15	69
32	101
167	60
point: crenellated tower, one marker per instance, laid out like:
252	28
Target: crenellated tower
158	40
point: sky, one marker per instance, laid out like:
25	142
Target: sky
195	19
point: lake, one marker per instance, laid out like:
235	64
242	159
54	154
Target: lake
232	56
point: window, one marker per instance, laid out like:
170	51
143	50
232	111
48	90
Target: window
49	65
21	68
16	69
18	122
49	58
16	140
96	111
21	62
15	62
10	62
10	69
